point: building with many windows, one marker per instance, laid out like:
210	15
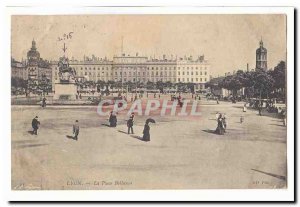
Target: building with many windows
19	69
127	68
36	70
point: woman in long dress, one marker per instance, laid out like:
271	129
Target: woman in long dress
220	128
245	107
146	132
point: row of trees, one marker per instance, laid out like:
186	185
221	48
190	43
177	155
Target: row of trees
159	85
21	86
266	84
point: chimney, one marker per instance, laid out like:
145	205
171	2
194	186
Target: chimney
247	67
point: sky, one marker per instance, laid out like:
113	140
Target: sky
227	41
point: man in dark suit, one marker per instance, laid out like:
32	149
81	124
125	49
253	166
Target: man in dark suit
76	130
130	123
35	125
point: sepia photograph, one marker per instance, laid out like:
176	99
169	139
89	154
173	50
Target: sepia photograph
149	101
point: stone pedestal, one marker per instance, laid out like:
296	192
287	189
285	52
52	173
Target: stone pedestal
65	91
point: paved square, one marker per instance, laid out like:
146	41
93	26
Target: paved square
183	153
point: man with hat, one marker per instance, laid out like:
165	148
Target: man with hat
35	125
130	123
76	130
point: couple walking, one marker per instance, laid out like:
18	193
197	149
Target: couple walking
221	127
146	131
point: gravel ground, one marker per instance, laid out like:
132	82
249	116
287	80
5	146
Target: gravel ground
183	153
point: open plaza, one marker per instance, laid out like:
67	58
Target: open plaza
184	151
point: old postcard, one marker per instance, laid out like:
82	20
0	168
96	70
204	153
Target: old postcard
149	101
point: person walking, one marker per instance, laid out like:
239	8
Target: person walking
76	130
245	107
259	109
284	117
146	132
130	123
224	122
44	102
35	125
220	127
112	119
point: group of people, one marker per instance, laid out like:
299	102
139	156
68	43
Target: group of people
113	123
221	120
35	123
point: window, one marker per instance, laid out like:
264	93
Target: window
192	79
201	79
179	79
205	73
187	73
183	73
200	73
192	73
205	79
178	73
197	79
196	73
188	79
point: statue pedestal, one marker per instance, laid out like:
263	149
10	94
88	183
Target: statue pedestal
65	91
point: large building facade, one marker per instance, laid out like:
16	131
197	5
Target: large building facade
126	68
19	69
36	70
261	57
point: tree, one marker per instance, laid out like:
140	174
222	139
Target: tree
263	83
279	75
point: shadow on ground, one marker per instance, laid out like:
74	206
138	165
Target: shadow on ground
70	137
271	174
22	146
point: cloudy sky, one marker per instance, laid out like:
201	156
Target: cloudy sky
227	41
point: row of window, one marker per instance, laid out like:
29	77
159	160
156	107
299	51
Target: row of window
192	79
205	73
120	68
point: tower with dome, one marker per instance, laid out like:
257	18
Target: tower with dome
261	57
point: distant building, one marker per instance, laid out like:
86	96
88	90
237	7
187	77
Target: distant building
36	70
19	69
125	68
39	70
261	57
